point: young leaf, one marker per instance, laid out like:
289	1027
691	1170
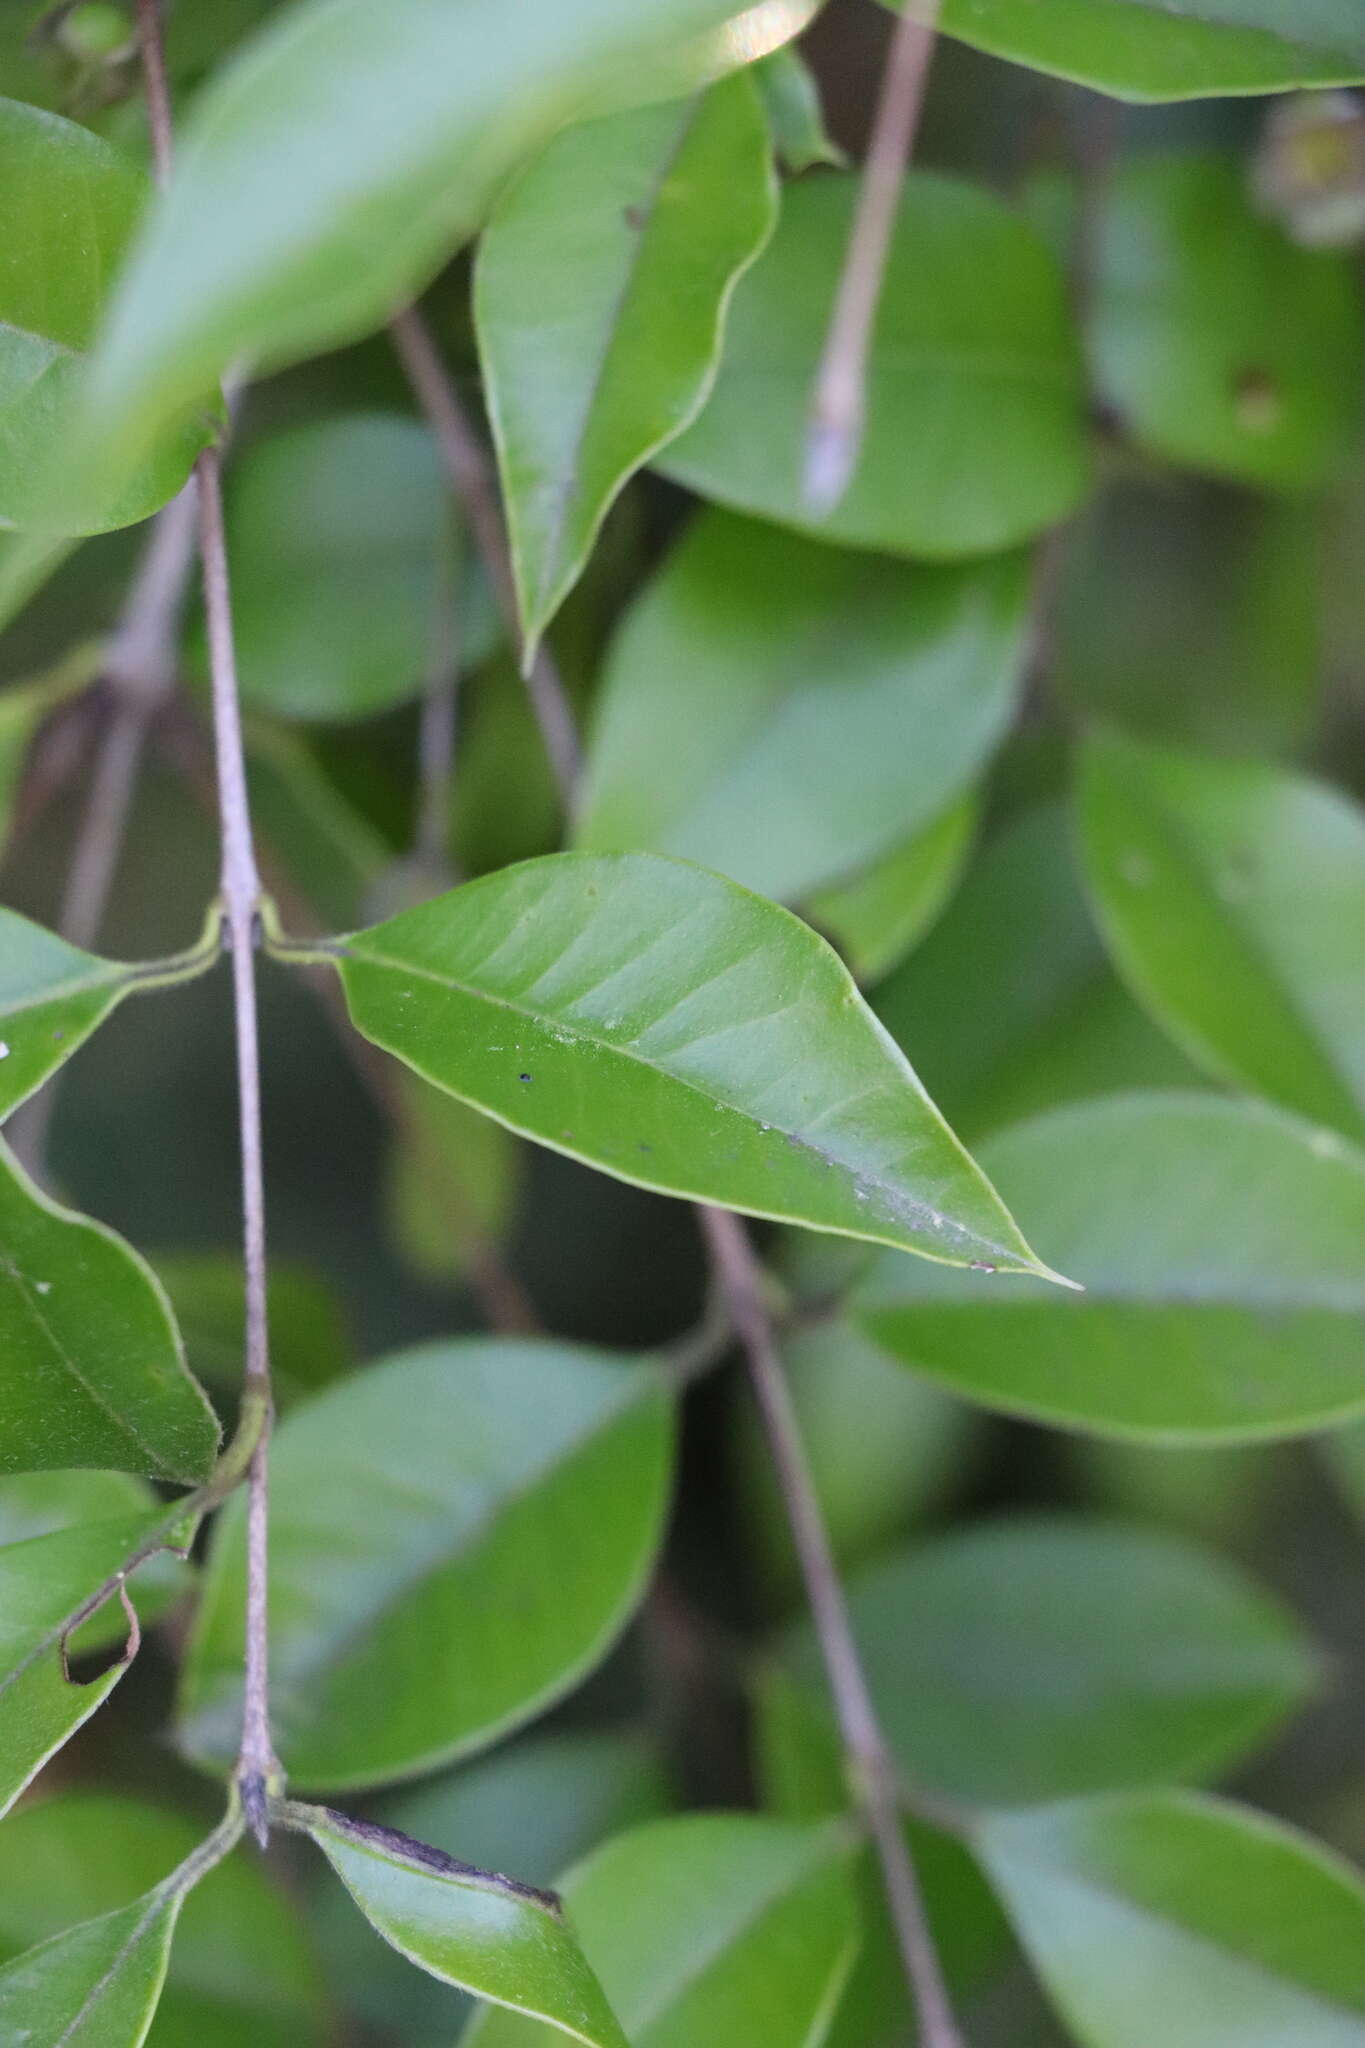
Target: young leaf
44	1583
1147	50
1222	344
1174	1663
241	1968
712	1928
329	168
665	1025
94	1370
487	1934
791	101
877	915
1222	1248
600	296
336	534
96	1986
787	713
68	207
1232	895
975	436
1177	1918
1058	1025
452	1515
52	996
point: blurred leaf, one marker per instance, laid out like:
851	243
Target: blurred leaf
331	852
94	1370
453	1181
711	1928
600	295
791	101
785	713
1147	51
1219	1494
1184	1919
41	1503
328	169
1029	1658
1232	895
1222	1247
44	1582
1192	613
487	1934
697	1036
885	1448
877	915
1222	344
69	205
336	533
23	708
975	433
744	39
440	1513
95	1986
309	1341
52	996
240	1970
1009	1006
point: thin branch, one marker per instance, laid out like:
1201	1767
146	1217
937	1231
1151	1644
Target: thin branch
475	485
838	402
872	1766
155	89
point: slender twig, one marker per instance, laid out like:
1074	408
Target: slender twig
155	89
838	402
873	1770
471	475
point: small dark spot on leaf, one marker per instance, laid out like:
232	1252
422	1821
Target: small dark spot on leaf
635	217
57	1037
1257	400
645	1148
523	1077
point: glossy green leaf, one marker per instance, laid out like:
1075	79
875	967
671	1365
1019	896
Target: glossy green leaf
600	296
453	1181
877	915
45	1581
1222	1248
665	1025
1009	1006
975	433
329	168
241	1973
1174	1664
502	1940
94	1372
786	714
1222	344
1149	50
339	534
712	1928
41	1503
1232	895
69	205
440	1512
1186	1920
699	60
97	1985
791	100
52	996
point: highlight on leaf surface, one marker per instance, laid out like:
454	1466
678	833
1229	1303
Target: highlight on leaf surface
663	1024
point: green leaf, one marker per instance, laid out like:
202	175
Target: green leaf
44	1582
41	1503
453	1181
96	1986
712	1928
1232	895
487	1934
1222	1247
600	297
683	68
1148	50
975	435
877	915
1183	1919
791	101
1056	1026
786	713
665	1025
52	996
241	1970
94	1369
1173	1663
1222	344
450	1514
69	205
339	533
330	167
